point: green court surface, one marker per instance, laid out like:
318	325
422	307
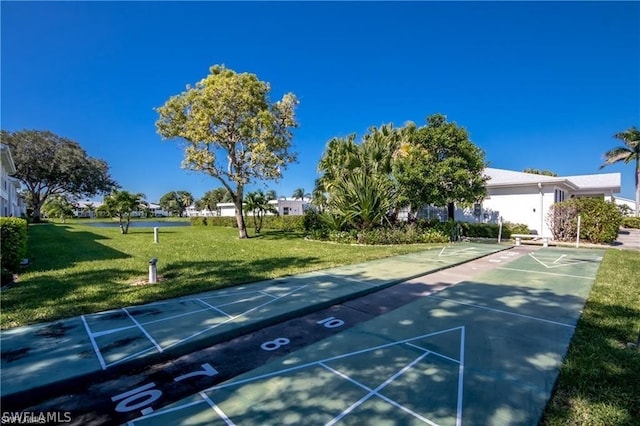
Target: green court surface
43	354
486	352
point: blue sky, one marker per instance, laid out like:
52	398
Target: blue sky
536	84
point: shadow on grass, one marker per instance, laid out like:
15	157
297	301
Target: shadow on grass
52	247
237	271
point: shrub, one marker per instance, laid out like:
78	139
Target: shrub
631	222
600	220
198	221
228	221
515	228
13	234
483	230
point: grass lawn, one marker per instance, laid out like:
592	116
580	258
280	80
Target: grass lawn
78	269
599	383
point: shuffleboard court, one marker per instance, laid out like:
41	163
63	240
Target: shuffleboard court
486	352
45	354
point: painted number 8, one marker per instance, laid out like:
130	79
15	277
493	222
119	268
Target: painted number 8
272	345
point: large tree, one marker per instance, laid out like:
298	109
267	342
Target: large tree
232	131
48	164
122	204
627	153
175	202
438	165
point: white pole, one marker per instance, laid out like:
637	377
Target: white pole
155	235
153	271
499	229
578	235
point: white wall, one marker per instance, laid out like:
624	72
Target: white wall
522	205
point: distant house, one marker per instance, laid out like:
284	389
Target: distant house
284	206
630	205
11	203
191	211
525	198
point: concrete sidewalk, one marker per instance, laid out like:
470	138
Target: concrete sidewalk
72	352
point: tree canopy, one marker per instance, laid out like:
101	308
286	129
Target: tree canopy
48	164
257	203
211	198
540	172
175	202
57	206
232	132
629	152
438	165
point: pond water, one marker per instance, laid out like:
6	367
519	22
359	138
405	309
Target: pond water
136	224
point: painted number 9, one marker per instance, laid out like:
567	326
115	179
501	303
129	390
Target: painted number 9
272	345
331	322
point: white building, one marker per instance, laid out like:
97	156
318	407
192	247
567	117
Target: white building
631	205
284	206
11	203
525	198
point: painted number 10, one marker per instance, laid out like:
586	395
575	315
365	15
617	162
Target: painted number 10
331	322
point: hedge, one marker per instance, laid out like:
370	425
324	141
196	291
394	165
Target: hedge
13	234
631	222
279	223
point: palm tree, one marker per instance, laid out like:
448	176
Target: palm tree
629	152
258	204
299	194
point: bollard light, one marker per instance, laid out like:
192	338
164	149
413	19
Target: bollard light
153	271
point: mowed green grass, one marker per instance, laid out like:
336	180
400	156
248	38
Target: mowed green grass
599	383
78	269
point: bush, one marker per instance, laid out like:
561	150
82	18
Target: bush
631	222
516	228
198	221
13	234
484	230
228	221
600	220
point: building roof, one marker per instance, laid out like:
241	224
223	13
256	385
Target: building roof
7	159
501	178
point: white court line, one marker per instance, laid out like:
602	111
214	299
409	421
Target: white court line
310	364
214	308
266	294
503	312
435	353
375	392
321	363
232	318
555	266
94	344
217	409
158	347
114	330
547	273
558	259
460	378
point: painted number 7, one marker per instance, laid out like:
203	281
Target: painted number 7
331	322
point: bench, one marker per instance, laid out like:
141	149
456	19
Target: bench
520	237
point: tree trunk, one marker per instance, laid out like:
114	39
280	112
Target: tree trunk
637	189
451	209
242	228
36	216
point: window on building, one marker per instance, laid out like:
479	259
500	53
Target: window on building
558	196
285	211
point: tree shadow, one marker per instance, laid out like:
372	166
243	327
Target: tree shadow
58	248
